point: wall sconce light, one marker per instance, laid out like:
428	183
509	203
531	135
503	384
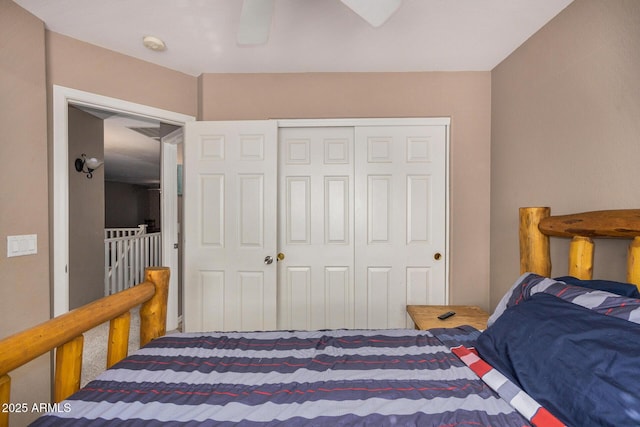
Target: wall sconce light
87	165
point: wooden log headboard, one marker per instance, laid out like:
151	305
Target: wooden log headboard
537	225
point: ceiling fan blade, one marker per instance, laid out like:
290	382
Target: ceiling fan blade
375	12
255	22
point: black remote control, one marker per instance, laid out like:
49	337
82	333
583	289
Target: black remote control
446	315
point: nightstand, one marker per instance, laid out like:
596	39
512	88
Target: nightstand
426	316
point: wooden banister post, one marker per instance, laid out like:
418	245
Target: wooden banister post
153	313
534	245
581	258
118	346
68	369
5	399
633	262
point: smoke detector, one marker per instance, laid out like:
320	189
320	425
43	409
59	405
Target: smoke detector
154	43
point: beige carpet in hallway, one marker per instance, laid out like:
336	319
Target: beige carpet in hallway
94	358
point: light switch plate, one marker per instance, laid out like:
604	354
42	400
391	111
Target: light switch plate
26	244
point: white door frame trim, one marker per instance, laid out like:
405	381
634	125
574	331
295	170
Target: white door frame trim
399	121
62	97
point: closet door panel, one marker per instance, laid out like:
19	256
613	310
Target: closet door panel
316	228
230	216
400	221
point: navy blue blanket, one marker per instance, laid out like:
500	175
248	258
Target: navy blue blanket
618	288
581	365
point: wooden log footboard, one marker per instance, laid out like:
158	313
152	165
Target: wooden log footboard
64	333
537	225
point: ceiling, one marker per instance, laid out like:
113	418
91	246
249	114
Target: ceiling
132	150
131	147
305	35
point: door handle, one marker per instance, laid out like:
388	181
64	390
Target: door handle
269	259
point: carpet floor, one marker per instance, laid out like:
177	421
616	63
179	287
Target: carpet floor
94	356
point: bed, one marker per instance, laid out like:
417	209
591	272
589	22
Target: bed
557	351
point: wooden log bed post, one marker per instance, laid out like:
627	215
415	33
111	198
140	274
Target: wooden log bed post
64	333
68	368
633	262
118	346
5	397
535	256
581	258
153	313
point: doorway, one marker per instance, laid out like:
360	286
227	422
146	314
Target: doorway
62	98
115	210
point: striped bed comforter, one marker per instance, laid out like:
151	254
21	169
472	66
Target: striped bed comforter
354	377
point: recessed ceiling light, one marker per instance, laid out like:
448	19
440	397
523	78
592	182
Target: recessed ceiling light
153	43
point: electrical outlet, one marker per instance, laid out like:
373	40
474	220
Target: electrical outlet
26	244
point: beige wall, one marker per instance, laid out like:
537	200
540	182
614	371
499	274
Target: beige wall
24	281
79	65
134	197
464	96
86	211
566	129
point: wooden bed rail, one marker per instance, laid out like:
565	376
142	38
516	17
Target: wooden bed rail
537	225
64	333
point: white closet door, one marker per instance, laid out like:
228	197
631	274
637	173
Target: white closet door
230	195
400	222
316	233
361	222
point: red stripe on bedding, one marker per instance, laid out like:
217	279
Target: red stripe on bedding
480	368
543	418
471	359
